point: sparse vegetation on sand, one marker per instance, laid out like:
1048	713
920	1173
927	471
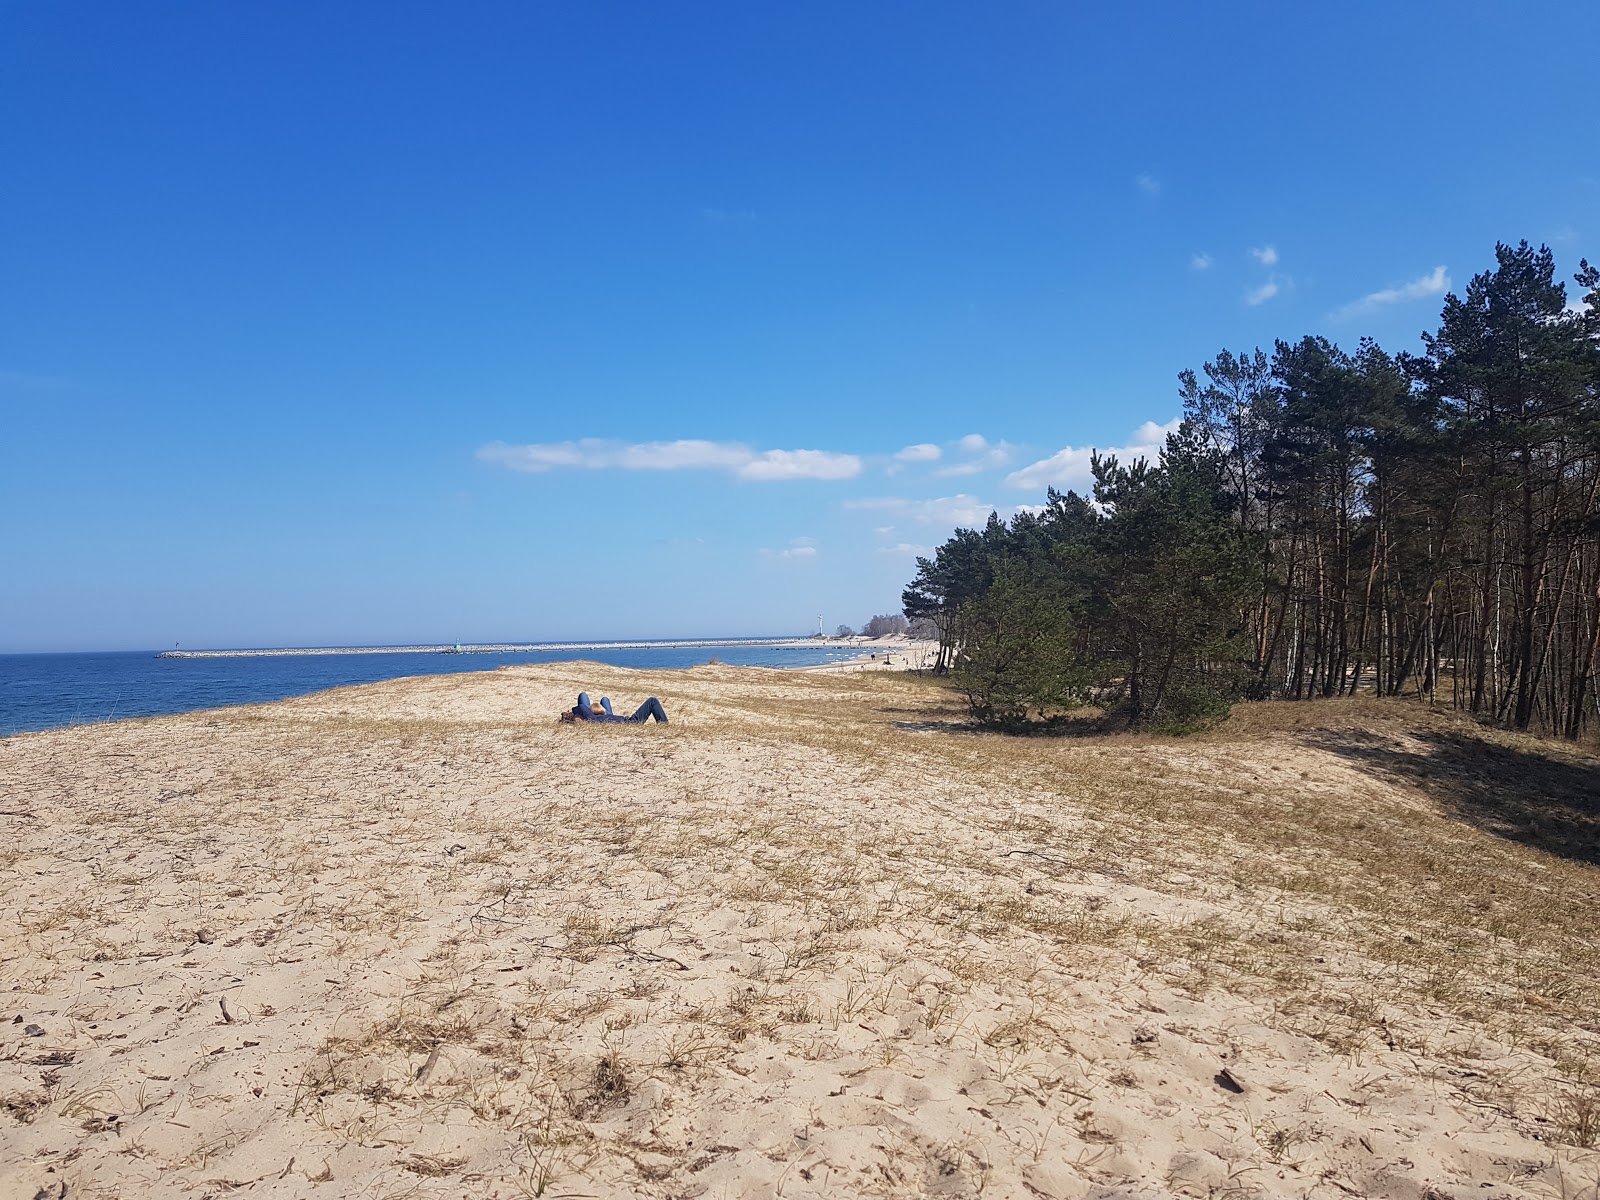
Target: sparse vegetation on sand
818	937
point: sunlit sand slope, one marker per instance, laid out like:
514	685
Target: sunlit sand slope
814	938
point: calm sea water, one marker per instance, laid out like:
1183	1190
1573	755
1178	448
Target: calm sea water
45	691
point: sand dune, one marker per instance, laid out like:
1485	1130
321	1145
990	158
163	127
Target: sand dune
814	938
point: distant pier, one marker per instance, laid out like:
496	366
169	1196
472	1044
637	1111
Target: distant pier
512	647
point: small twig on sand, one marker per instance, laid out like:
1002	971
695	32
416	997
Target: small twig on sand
427	1067
1049	858
11	812
623	940
649	956
222	1003
287	1169
1494	1108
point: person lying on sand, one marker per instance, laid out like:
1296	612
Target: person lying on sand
584	711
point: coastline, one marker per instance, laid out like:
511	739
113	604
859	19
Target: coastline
884	654
45	691
814	935
531	647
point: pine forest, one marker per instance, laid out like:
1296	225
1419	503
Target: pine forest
1325	521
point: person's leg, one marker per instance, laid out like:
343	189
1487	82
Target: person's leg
605	703
650	708
584	710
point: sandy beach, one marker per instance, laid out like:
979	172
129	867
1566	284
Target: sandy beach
814	938
882	654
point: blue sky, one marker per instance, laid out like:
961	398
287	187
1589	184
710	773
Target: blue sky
372	323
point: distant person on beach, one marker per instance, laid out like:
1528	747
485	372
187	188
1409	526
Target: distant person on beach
584	711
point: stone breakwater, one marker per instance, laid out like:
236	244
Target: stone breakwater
522	647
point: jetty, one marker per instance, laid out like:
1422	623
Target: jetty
510	647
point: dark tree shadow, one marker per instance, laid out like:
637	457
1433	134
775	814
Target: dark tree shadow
930	718
1088	724
936	727
1548	801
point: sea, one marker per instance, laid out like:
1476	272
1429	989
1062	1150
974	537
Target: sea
47	691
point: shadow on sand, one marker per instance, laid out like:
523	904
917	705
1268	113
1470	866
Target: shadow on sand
930	718
1548	801
947	719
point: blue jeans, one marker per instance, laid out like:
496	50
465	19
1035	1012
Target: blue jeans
650	708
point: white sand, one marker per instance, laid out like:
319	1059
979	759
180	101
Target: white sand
415	938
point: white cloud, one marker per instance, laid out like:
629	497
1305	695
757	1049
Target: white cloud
800	464
1435	283
1261	294
1201	261
988	456
1148	184
921	452
798	548
1267	256
676	456
906	550
946	511
597	454
1069	466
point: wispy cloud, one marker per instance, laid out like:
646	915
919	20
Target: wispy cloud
1201	261
1148	184
1069	466
906	550
1260	295
984	455
921	452
1435	283
599	454
945	511
798	548
1267	256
